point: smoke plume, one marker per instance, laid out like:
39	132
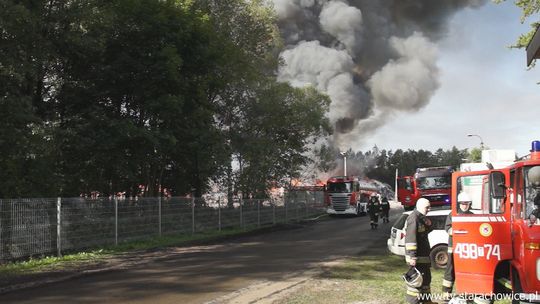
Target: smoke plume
374	58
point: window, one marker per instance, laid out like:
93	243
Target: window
492	205
530	194
340	187
405	183
400	223
438	221
473	185
518	207
433	182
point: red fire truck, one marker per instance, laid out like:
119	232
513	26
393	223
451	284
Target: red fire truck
347	195
432	183
497	248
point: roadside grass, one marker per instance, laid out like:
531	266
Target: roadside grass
372	278
96	255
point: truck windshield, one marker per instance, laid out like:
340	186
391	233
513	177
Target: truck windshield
340	187
433	182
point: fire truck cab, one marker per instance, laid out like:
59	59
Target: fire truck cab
431	183
497	248
407	192
347	195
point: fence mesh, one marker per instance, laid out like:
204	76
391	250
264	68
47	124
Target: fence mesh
38	227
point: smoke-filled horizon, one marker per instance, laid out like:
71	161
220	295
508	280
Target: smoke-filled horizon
372	58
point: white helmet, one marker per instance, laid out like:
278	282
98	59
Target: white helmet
463	197
413	278
534	176
421	205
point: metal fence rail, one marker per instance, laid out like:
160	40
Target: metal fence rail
36	227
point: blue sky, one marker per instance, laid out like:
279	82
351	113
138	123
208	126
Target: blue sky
485	89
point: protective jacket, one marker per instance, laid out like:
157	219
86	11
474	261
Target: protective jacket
374	206
416	238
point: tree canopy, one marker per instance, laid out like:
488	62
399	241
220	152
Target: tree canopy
528	9
137	96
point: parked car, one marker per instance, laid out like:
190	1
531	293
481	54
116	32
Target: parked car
438	238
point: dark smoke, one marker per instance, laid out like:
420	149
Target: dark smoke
374	58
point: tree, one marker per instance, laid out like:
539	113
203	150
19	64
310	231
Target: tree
475	155
135	95
528	8
273	139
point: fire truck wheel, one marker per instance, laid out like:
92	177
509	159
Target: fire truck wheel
439	256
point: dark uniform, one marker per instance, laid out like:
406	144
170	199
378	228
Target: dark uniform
373	208
385	209
417	248
536	210
449	274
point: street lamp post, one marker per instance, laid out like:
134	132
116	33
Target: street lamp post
344	162
481	140
396	186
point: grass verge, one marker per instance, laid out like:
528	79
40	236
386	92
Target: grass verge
96	255
374	277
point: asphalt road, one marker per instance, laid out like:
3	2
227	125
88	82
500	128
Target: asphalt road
203	274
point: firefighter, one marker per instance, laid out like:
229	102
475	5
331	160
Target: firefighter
385	209
417	252
464	205
374	207
534	181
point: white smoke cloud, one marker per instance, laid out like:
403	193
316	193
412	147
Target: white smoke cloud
330	71
310	63
374	59
407	83
343	22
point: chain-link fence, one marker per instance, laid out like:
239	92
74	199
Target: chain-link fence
34	227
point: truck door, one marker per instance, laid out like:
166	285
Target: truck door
406	191
482	239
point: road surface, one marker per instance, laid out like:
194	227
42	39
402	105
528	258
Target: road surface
244	270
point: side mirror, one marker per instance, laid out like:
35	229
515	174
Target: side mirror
497	186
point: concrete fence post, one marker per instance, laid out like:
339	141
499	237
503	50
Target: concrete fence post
159	214
193	214
116	221
258	213
219	214
241	212
59	227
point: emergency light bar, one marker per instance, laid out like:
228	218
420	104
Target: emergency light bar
535	150
535	146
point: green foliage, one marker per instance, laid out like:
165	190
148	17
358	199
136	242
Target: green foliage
107	96
475	155
52	262
272	138
382	165
528	9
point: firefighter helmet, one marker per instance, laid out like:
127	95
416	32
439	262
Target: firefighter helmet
413	278
422	205
463	197
534	176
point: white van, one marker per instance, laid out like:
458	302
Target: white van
438	238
